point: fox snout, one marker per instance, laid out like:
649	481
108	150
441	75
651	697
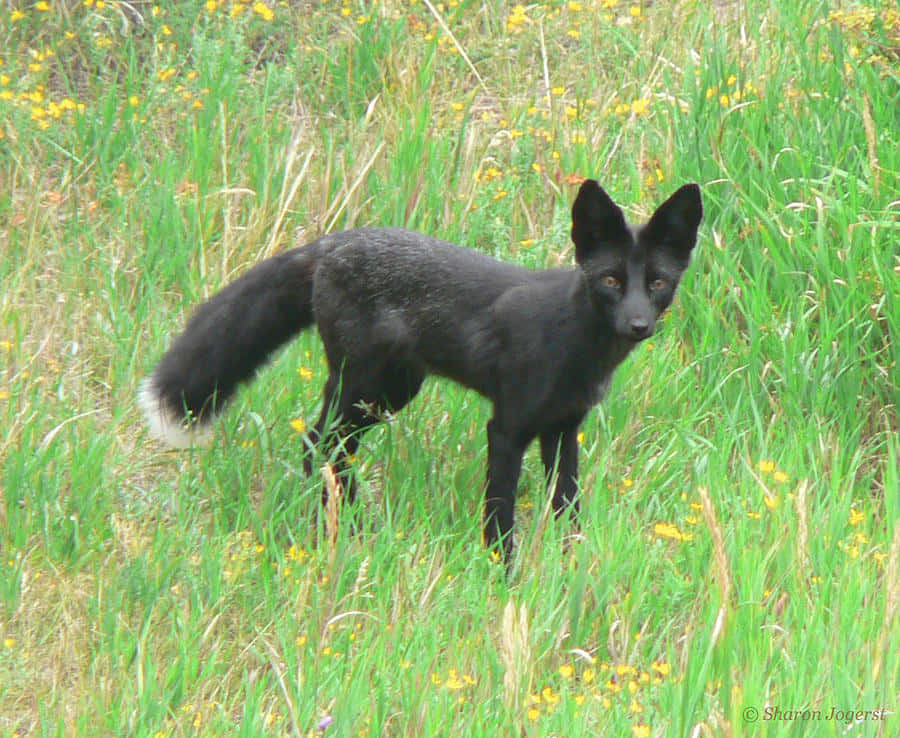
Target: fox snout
640	328
636	317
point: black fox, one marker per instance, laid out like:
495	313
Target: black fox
392	306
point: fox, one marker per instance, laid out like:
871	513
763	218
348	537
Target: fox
393	306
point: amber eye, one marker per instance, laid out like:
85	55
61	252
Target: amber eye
658	284
609	280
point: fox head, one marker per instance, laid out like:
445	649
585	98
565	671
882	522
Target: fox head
631	272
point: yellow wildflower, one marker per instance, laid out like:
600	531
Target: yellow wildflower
263	11
670	531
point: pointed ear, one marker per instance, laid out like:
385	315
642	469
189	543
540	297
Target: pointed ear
596	219
675	222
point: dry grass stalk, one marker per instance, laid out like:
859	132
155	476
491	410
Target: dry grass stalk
515	653
333	493
891	600
720	559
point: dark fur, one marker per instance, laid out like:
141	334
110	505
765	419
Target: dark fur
392	306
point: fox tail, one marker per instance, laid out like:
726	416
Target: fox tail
225	341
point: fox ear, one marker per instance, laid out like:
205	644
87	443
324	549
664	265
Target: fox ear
596	219
675	222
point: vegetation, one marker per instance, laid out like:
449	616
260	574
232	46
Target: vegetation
739	547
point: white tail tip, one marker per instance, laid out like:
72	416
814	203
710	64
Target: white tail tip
168	426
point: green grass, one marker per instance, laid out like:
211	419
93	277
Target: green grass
150	154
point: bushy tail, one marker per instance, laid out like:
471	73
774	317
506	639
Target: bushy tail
225	341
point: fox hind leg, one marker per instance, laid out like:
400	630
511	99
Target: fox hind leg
353	401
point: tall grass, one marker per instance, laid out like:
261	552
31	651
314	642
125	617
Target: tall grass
739	546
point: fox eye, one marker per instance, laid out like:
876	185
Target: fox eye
658	284
608	280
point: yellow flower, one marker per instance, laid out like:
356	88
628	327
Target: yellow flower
587	676
305	373
453	680
548	696
766	466
298	424
668	530
516	19
16	15
566	671
263	11
533	713
640	730
856	517
42	6
558	90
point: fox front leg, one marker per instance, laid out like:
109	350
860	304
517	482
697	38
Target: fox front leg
504	465
559	454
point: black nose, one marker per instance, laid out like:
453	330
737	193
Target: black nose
639	327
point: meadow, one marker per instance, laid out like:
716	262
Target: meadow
736	570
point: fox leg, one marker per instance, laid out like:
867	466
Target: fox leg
353	402
504	465
559	453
